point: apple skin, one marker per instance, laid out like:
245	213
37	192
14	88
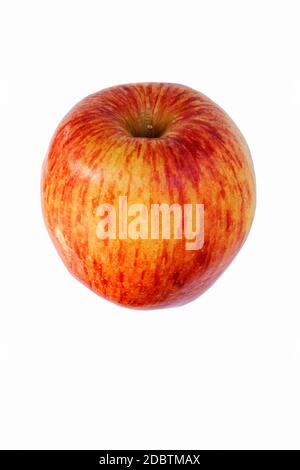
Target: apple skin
101	151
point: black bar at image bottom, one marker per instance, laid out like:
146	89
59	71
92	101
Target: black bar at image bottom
136	459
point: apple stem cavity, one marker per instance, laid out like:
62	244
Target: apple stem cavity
144	127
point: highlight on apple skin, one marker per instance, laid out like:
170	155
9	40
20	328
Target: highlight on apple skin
125	152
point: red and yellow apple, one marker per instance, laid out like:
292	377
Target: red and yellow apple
153	143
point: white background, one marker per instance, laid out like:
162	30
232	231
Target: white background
79	372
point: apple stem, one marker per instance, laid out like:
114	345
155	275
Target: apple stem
149	130
148	123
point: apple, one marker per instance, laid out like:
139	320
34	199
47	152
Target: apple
148	193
